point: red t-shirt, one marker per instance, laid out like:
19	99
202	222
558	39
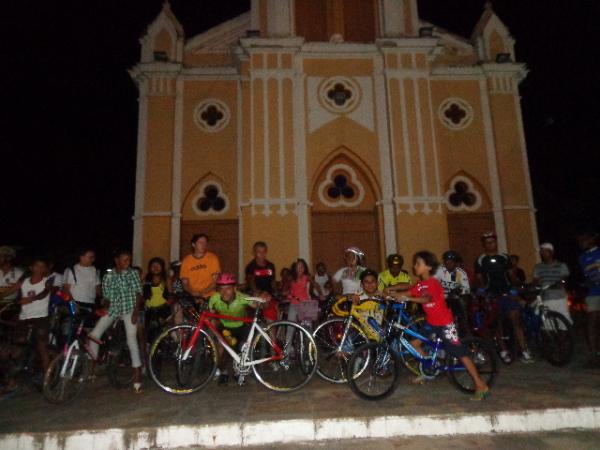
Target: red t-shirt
436	310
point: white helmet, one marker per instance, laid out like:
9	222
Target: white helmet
360	255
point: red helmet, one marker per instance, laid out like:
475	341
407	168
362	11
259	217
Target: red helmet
226	279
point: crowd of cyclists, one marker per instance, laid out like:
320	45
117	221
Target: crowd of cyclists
148	300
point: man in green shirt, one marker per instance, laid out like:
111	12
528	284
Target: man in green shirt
229	302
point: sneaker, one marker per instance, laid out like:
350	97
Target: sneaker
526	357
505	357
223	379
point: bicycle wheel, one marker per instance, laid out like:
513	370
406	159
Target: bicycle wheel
331	363
484	358
60	389
556	338
380	377
175	368
299	361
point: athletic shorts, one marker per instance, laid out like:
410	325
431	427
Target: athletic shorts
508	304
240	333
449	336
593	303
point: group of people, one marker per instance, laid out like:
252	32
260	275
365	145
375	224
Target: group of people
141	299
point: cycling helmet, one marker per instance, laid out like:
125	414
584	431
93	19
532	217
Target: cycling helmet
450	255
489	235
226	279
360	255
395	259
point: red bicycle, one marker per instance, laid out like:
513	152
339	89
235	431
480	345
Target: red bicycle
184	358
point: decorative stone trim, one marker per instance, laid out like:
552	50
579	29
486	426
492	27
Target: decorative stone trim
210	200
462	195
339	95
455	113
212	115
341	187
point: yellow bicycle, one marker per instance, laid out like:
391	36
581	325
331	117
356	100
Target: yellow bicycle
354	325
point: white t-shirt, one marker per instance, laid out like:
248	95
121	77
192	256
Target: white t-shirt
56	279
322	280
84	289
38	308
350	284
9	278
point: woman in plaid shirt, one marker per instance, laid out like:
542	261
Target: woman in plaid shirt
122	291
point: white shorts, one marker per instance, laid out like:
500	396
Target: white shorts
559	305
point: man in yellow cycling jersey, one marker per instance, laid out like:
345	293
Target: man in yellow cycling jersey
394	279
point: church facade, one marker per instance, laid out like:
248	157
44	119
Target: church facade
318	124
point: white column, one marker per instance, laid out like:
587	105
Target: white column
385	159
176	184
300	182
240	180
534	229
140	173
490	147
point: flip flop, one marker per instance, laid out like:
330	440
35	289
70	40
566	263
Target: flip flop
481	395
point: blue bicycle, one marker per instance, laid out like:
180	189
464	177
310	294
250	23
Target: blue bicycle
384	359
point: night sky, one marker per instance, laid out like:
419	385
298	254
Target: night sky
70	112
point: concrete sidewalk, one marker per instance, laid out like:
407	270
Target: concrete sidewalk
526	398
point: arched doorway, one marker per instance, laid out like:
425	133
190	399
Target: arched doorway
344	214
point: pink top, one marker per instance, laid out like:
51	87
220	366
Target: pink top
299	290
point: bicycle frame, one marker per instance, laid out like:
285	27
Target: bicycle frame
241	358
427	361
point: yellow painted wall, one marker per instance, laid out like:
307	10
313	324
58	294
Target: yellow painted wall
156	238
279	232
159	154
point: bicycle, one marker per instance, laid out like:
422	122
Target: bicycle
376	364
20	343
184	359
338	337
549	330
69	371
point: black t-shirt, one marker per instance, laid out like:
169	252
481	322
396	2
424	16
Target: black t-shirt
263	275
494	269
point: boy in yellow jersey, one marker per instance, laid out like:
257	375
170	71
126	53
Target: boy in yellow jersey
394	279
366	307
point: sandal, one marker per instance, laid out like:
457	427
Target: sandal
138	388
481	395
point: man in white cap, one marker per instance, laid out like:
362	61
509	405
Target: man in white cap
553	273
9	274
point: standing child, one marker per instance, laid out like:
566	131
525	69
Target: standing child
429	293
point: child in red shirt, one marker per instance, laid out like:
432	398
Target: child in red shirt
429	293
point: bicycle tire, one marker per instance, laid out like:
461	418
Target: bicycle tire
271	374
482	355
550	331
166	365
54	386
327	338
384	363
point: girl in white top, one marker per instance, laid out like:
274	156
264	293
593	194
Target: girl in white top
321	282
349	277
